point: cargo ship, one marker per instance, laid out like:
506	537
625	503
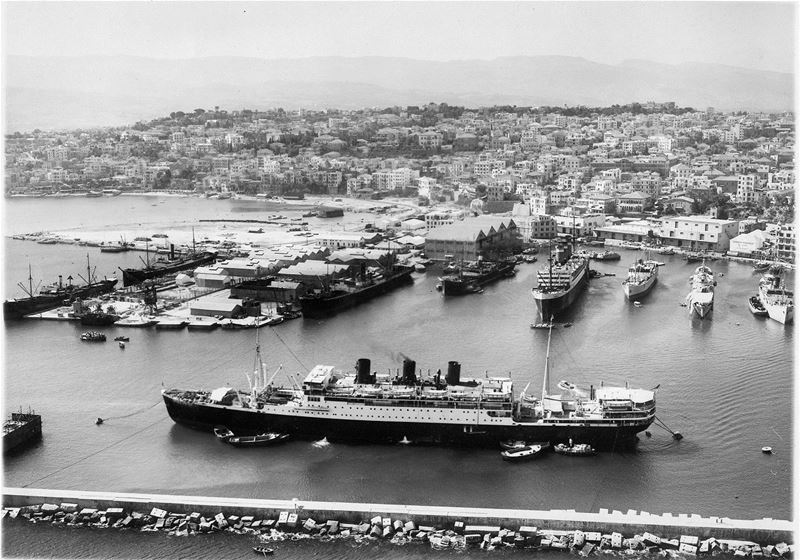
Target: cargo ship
471	276
561	282
345	293
55	295
21	429
409	406
642	276
164	266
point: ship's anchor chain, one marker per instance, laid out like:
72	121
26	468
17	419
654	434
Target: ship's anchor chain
101	420
675	435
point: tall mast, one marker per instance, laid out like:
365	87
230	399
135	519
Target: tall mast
88	270
30	281
546	382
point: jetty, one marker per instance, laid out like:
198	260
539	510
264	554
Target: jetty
545	525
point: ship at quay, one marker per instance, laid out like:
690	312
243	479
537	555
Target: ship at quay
343	294
159	268
55	295
406	407
470	277
561	282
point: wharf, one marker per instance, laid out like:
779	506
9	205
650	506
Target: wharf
762	531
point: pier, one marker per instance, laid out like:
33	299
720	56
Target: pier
764	531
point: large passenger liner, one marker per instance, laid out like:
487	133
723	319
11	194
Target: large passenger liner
405	406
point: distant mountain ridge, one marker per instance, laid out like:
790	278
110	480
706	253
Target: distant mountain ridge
57	92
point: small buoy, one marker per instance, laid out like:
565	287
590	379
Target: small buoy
767	450
677	435
98	421
648	434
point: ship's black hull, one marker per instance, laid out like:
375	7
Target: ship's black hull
553	307
468	283
326	305
25	434
133	276
249	421
18	308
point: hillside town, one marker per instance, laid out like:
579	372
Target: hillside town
643	172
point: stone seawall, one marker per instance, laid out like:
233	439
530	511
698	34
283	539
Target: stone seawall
669	526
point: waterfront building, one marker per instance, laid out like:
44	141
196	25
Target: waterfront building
340	239
698	232
215	307
468	239
746	244
636	231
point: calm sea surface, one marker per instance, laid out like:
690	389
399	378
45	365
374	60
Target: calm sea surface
726	384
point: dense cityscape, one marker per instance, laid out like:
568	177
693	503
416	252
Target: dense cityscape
577	169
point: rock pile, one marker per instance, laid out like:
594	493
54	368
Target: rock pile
288	525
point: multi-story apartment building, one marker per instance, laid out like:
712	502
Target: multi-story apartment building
786	242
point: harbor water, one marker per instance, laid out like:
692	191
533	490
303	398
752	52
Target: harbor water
725	383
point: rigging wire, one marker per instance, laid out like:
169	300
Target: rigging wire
65	467
289	349
158	402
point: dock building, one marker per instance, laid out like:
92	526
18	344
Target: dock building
470	238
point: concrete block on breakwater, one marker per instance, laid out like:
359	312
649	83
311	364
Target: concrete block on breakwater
667	526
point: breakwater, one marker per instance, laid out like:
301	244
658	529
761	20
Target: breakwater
559	529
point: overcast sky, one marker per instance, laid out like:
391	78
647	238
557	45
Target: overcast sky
757	35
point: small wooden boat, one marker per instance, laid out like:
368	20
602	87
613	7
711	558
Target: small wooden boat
261	440
122	339
524	453
605	256
542	325
761	266
666	251
121	345
565	385
93	336
756	307
766	450
223	433
510	444
577	450
263	550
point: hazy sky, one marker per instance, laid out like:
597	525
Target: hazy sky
750	34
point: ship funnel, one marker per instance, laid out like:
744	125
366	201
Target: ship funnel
409	372
363	375
172	251
453	373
